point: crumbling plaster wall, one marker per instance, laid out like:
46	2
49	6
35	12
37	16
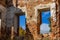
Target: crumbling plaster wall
58	18
30	8
53	14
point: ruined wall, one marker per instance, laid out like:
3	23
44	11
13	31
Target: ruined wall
29	7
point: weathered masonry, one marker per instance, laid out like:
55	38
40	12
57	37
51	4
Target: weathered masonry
32	9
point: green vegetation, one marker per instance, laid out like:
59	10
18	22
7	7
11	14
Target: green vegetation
21	36
46	38
21	31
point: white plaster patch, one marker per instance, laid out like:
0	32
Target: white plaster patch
23	9
33	19
53	11
41	6
14	3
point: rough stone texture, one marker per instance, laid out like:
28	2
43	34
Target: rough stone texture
31	16
58	18
13	9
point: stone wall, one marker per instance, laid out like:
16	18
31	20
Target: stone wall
58	18
31	15
30	9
